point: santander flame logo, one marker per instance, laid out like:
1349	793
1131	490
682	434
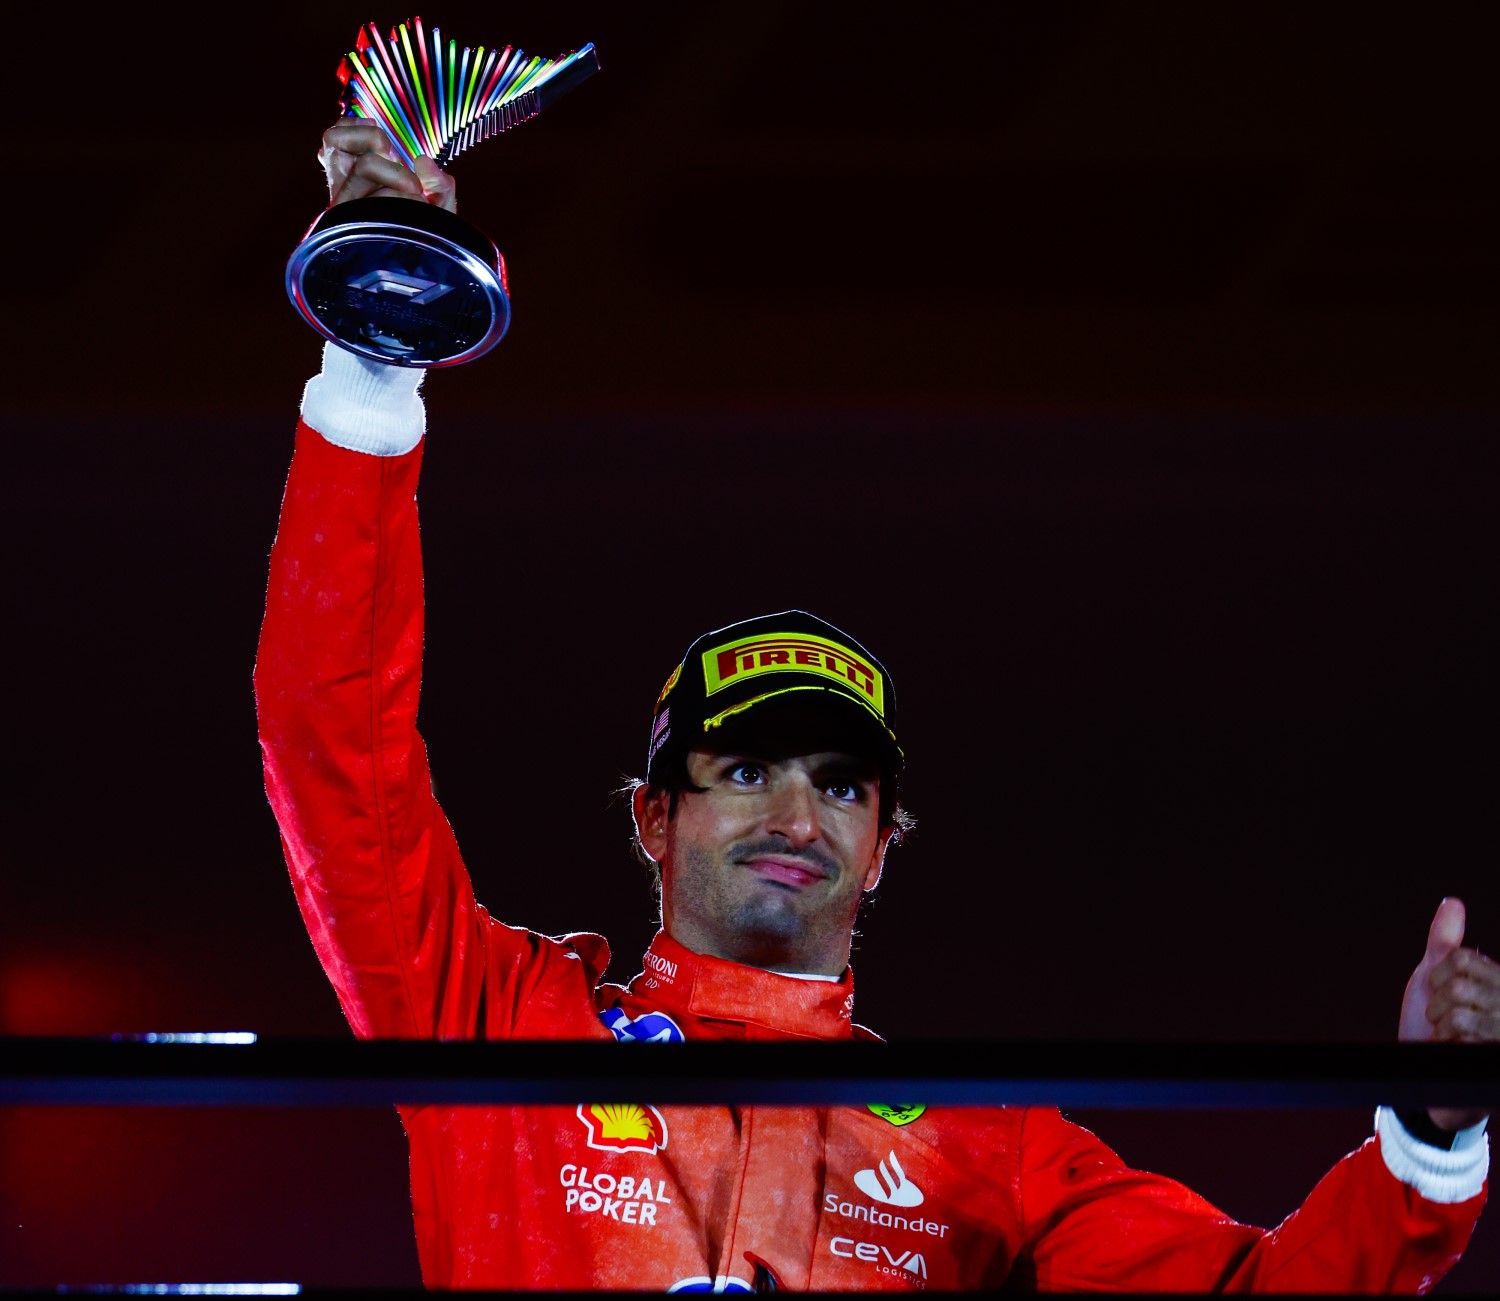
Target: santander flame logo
890	1185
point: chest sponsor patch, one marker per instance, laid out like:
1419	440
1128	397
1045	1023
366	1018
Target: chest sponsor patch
623	1126
650	1028
888	1183
626	1199
897	1262
899	1115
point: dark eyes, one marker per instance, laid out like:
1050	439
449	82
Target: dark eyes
840	789
747	774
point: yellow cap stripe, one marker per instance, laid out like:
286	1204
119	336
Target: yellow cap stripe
710	723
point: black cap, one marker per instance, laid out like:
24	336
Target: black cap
733	670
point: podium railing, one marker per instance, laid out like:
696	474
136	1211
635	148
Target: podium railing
225	1070
240	1070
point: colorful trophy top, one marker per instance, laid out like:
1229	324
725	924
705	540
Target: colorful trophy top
413	284
432	97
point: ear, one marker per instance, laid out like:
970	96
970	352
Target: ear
877	860
650	813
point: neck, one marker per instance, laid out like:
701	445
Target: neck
767	952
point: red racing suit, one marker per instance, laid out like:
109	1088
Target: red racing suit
630	1196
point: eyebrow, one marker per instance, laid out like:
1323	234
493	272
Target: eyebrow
848	766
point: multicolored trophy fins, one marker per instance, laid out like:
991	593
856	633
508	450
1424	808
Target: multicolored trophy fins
406	283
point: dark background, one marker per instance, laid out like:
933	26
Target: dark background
1124	375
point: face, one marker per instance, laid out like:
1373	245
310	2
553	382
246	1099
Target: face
768	863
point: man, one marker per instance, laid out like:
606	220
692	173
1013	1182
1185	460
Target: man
768	804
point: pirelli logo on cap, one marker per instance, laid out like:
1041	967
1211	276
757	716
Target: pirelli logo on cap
795	652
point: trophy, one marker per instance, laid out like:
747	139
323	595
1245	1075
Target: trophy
404	282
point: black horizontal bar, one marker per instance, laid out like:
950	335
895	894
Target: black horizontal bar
349	1073
324	1293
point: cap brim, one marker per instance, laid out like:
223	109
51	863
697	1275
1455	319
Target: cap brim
804	719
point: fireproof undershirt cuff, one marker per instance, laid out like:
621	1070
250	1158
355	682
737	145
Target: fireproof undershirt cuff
1451	1176
365	406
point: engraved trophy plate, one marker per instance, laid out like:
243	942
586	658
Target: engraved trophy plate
396	280
400	282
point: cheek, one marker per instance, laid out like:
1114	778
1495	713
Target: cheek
859	836
689	880
710	822
692	837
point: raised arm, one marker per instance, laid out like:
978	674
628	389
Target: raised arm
376	871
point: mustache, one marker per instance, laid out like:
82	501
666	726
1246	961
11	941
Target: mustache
816	855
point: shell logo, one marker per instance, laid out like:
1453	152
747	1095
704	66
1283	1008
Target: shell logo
671	682
623	1126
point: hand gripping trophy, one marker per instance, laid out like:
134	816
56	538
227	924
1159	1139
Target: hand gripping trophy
411	284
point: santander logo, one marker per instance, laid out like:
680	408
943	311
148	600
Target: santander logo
889	1185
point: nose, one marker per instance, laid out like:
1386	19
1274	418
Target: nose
793	810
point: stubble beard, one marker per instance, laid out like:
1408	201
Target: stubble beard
762	929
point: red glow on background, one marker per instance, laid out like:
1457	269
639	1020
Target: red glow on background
72	994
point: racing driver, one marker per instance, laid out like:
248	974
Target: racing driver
768	803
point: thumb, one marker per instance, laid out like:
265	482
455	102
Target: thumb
437	185
1446	932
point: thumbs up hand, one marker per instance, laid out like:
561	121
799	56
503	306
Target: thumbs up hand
1452	997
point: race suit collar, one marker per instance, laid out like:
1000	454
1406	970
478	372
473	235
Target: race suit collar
679	980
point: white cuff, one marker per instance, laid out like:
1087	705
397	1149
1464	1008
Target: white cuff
365	406
1453	1176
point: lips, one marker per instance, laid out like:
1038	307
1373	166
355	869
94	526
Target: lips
786	871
